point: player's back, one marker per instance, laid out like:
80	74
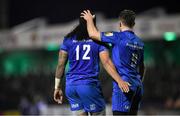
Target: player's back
132	53
128	56
83	59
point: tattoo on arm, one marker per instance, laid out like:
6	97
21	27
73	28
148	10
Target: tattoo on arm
61	64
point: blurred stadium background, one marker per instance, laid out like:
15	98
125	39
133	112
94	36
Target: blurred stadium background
31	32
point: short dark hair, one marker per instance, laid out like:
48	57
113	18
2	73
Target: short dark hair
128	17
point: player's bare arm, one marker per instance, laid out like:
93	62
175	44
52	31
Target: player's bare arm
110	68
58	94
92	30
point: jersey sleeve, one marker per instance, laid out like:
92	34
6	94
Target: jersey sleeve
109	37
64	45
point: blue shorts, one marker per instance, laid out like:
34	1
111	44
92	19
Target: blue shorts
127	102
88	97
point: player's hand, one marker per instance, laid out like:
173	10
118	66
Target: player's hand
58	96
124	86
86	14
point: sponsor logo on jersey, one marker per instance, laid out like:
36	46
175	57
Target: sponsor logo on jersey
135	46
108	34
92	107
88	40
126	107
75	105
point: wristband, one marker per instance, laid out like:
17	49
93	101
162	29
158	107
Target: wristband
57	81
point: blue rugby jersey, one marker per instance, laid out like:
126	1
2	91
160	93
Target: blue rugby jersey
127	54
83	59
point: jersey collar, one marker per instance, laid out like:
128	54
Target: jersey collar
130	31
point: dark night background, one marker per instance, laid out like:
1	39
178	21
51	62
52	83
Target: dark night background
57	11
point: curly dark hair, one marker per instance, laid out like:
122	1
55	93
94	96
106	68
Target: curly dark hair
127	17
80	31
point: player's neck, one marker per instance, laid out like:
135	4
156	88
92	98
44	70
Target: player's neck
126	29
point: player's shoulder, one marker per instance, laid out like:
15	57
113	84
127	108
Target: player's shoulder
139	40
119	34
69	40
66	40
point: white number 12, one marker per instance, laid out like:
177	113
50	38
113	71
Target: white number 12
87	49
